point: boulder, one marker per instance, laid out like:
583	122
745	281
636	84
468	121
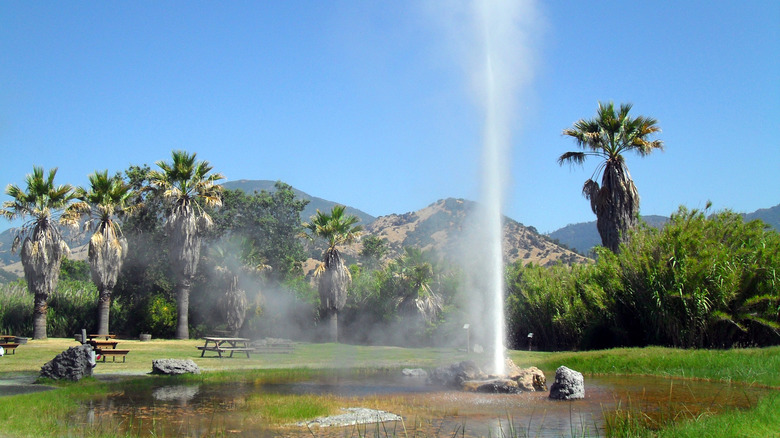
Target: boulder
531	379
528	379
414	372
454	375
73	364
568	385
492	386
174	366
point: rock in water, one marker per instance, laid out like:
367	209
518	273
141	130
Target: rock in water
454	375
569	385
531	379
492	386
174	366
73	364
414	372
528	379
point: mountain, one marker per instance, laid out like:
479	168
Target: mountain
582	237
443	226
315	203
769	215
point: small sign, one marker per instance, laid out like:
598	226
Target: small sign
466	326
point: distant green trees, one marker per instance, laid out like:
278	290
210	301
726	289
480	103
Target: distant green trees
700	281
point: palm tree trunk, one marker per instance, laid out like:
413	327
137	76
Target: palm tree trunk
104	306
40	309
183	306
333	326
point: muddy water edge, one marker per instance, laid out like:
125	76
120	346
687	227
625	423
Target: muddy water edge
240	407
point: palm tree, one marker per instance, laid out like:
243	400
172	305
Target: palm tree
107	199
40	239
185	184
416	274
234	257
336	228
608	136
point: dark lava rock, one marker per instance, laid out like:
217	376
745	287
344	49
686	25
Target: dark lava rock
174	366
73	364
454	375
492	386
568	385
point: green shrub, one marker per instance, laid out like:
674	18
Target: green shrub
72	306
160	318
561	305
700	282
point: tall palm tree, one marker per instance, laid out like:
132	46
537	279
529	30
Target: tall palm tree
106	200
608	136
336	228
40	238
187	186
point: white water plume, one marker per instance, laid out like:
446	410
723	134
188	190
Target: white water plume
505	26
498	57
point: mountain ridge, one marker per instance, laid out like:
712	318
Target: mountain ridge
584	236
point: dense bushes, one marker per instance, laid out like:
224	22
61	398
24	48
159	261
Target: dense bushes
72	306
698	282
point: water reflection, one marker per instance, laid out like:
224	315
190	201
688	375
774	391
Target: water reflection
178	393
204	409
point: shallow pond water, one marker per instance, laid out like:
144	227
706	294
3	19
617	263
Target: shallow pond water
194	409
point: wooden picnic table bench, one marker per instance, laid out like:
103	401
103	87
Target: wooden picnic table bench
94	336
7	338
9	346
264	346
223	345
113	352
103	344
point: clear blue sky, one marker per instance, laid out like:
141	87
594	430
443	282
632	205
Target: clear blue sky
366	102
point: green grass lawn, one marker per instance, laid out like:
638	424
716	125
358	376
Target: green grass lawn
52	409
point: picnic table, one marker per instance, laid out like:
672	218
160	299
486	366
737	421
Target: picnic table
223	345
103	344
8	344
95	336
107	347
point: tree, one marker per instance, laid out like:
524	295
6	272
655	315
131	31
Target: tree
416	273
608	136
106	199
43	247
373	251
146	275
271	224
336	228
186	186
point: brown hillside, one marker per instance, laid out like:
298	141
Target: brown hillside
442	227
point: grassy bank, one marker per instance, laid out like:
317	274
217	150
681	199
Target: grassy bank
52	411
754	366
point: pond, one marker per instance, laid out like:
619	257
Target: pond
204	409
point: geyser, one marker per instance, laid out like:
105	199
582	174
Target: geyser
502	68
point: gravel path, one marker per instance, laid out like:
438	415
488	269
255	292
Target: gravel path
352	417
